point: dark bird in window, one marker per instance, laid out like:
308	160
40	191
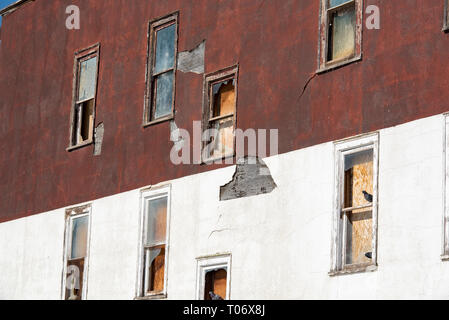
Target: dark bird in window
214	296
368	197
369	255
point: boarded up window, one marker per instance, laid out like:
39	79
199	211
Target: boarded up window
219	115
76	254
214	277
215	285
354	246
155	245
161	68
358	187
85	94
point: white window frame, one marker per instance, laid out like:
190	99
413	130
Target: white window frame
210	263
147	196
445	235
72	214
343	148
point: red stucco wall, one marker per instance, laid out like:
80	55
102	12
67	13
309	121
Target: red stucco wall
402	77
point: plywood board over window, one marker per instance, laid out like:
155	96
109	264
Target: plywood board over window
354	238
340	33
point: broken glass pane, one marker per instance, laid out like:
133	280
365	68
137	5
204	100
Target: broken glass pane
215	285
74	279
156	269
224	98
157	221
164	95
334	3
87	79
343	34
222	143
165	49
79	237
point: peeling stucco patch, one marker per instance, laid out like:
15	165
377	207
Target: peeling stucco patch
99	133
193	60
252	177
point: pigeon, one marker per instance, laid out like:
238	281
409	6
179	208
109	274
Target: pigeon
368	197
369	255
214	296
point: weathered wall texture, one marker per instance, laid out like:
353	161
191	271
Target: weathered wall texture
280	242
402	77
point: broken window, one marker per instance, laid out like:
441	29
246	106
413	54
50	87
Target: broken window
159	103
155	240
76	253
85	87
219	114
213	278
215	284
340	31
356	216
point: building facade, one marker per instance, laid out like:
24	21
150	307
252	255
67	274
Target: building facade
113	131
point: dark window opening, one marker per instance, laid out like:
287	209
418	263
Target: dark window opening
215	285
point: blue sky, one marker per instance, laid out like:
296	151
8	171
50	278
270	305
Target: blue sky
5	3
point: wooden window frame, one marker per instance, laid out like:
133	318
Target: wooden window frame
209	80
80	56
446	17
343	148
209	263
70	215
147	196
325	14
149	104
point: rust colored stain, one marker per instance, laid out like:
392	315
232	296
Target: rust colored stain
402	77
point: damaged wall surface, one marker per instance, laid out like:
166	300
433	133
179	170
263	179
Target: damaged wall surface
399	79
254	230
251	178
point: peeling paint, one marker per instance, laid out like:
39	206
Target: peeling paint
193	60
99	133
252	177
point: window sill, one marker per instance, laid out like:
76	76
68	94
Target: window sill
354	269
81	145
154	122
338	64
445	257
161	296
222	159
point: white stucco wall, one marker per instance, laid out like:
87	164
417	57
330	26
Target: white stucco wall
280	242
